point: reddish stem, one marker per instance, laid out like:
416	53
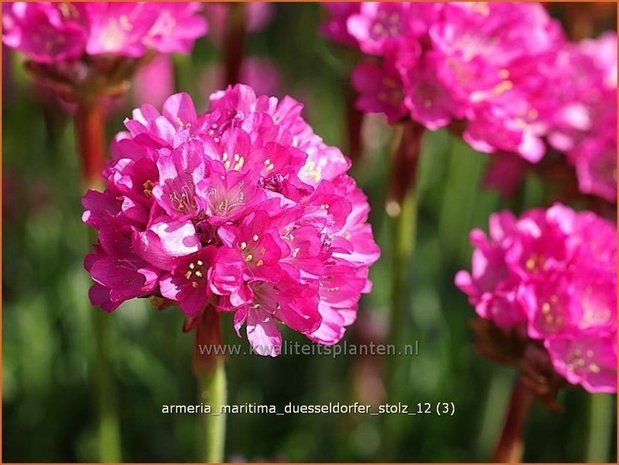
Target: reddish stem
208	342
234	42
89	134
354	122
511	444
405	164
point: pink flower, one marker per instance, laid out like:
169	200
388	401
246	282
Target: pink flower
335	26
584	125
53	32
262	74
505	173
427	99
188	281
485	49
508	123
589	360
596	166
381	90
456	62
154	82
90	51
495	33
378	25
552	273
43	32
240	209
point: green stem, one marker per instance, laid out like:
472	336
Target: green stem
354	123
213	393
599	427
402	207
404	232
184	75
89	138
510	447
108	428
209	367
404	228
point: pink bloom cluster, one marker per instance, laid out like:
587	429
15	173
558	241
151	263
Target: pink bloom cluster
552	273
505	70
241	209
441	62
52	32
584	123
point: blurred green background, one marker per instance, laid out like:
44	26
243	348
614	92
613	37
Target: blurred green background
48	394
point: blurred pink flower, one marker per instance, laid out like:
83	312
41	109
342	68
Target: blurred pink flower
426	98
596	166
380	90
378	25
154	82
456	61
334	27
584	125
241	209
261	74
504	70
53	32
7	81
88	51
505	173
552	272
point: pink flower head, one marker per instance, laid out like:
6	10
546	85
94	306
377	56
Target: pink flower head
508	124
455	61
427	99
378	24
495	33
596	166
505	173
381	89
335	26
487	52
54	32
584	125
241	209
552	273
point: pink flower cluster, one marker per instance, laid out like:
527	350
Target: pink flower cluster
52	32
441	62
242	209
553	273
584	123
503	71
